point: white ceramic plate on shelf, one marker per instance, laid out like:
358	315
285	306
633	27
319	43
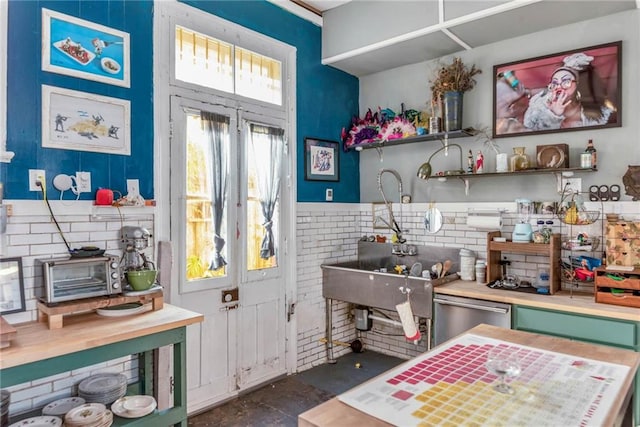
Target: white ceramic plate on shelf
44	421
61	406
123	309
87	414
134	406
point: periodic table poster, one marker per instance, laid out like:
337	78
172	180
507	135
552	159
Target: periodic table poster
451	386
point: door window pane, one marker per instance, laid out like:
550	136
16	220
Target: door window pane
265	153
200	201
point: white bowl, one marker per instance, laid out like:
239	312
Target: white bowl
139	406
110	65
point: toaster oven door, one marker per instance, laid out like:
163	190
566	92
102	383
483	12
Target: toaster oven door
78	280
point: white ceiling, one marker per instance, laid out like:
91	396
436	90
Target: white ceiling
361	49
323	5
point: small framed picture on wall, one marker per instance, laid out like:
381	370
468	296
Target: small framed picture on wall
321	160
11	286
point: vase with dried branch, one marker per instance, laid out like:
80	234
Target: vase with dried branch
447	87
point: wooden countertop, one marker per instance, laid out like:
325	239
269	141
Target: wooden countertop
336	413
579	303
35	341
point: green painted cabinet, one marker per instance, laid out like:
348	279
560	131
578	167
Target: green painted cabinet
598	330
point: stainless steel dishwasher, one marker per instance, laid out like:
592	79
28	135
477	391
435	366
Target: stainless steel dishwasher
455	315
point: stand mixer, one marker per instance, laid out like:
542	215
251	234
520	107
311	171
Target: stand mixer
523	231
135	240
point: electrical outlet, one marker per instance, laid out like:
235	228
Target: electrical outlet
133	187
83	182
329	195
571	185
35	176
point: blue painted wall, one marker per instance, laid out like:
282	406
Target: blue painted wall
327	98
24	80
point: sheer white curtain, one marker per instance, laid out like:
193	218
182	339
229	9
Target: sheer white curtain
216	129
267	144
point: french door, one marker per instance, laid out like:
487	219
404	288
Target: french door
227	198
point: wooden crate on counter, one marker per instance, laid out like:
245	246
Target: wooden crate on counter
617	287
54	314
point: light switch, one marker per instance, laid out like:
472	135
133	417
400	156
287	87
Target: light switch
329	195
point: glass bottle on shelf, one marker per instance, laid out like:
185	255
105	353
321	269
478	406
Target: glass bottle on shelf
594	154
519	160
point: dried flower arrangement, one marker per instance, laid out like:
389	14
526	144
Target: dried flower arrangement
455	77
483	134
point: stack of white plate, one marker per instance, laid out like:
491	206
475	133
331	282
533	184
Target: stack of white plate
60	407
103	388
89	415
5	398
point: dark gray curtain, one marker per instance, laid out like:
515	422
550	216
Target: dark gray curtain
216	129
268	147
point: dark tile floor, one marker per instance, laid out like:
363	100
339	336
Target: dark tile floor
280	403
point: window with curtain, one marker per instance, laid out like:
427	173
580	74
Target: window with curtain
207	173
266	151
209	62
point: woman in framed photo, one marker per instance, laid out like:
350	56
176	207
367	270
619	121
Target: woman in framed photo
574	97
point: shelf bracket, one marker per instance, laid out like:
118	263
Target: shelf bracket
379	150
466	185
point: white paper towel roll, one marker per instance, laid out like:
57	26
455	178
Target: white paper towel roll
408	324
485	222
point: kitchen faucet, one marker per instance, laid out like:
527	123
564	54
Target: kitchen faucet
392	223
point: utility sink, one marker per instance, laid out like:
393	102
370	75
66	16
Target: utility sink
346	282
357	282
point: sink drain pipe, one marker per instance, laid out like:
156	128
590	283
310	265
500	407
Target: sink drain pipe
412	331
363	318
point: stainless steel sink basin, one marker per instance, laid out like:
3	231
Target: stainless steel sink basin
357	283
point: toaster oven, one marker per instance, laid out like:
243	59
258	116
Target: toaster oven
67	278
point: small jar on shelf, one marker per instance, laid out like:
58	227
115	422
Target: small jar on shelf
519	160
538	235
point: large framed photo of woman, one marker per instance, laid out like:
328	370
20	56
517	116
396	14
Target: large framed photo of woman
84	49
573	90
